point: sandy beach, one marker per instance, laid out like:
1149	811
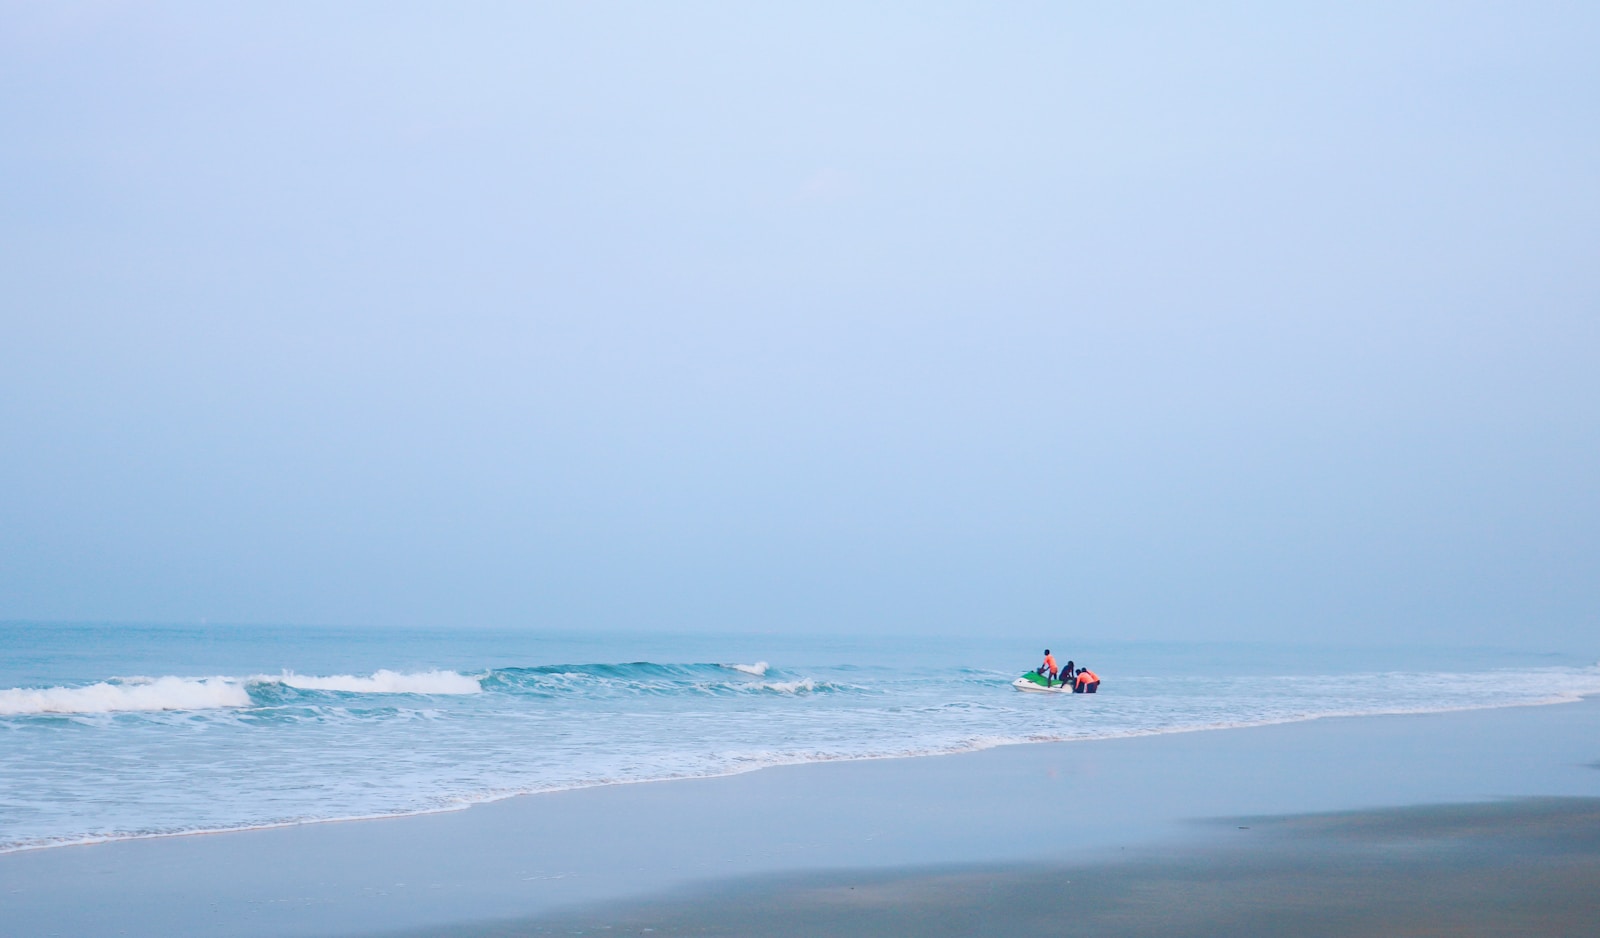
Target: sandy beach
1179	827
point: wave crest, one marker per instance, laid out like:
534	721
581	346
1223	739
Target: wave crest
144	694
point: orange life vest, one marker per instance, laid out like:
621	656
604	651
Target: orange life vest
1087	676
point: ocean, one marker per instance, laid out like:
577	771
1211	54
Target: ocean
120	731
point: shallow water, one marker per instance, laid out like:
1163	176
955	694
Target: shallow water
123	731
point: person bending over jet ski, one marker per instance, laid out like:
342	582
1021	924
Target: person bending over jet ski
1088	682
1048	669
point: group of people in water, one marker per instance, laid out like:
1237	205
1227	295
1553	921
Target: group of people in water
1083	680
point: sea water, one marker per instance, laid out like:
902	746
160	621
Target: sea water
124	731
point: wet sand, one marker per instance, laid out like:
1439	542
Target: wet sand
1109	832
1528	867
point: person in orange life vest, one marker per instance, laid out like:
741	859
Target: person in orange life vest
1048	669
1088	682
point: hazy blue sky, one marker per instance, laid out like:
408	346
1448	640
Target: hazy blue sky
1121	320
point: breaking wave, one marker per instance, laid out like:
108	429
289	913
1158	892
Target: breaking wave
129	694
803	685
145	694
384	682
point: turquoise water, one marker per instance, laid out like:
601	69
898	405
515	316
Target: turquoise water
127	731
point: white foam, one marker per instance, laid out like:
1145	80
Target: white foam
758	669
791	687
132	694
385	682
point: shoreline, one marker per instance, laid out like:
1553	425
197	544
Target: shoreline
1035	806
781	764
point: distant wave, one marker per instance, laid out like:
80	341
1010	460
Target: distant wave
131	694
640	670
649	678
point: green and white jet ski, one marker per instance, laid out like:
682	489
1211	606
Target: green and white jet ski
1033	682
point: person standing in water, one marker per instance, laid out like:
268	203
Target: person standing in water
1048	669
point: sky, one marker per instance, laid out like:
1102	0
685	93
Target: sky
1123	320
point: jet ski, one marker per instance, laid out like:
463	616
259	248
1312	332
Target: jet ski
1034	682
